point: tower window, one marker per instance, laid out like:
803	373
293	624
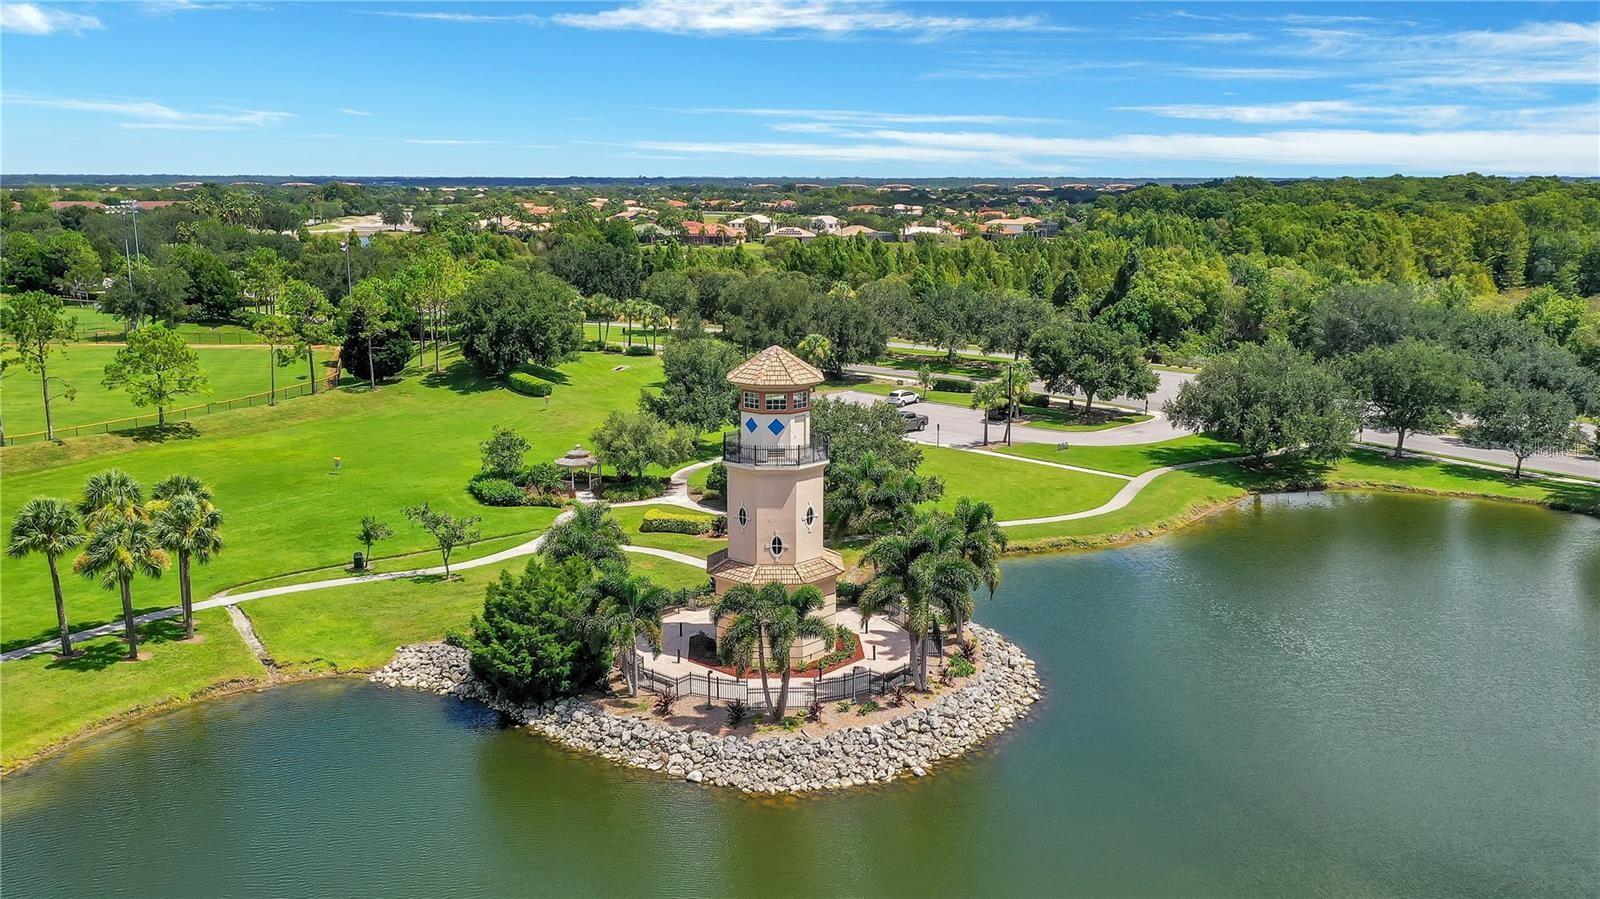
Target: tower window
744	518
802	399
811	516
777	402
776	546
750	399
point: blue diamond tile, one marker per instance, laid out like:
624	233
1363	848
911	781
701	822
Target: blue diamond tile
776	427
750	425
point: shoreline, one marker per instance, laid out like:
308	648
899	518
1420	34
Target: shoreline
1031	547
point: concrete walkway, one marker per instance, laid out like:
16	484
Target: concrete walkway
1121	500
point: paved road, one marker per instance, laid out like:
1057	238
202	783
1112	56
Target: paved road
1583	466
954	426
1167	388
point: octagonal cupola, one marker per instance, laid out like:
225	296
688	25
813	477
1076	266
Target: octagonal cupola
775	401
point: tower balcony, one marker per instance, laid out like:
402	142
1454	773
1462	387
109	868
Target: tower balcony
736	451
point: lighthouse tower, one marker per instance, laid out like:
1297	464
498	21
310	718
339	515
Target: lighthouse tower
775	488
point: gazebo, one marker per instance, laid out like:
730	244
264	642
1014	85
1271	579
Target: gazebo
579	459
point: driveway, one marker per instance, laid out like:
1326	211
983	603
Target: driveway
956	426
1167	388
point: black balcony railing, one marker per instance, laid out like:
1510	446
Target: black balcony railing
735	450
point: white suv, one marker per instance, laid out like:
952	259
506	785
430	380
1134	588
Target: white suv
903	397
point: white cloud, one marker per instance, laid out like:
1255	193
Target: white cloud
31	18
1531	54
1309	111
1570	152
448	141
475	18
761	17
148	115
862	117
355	112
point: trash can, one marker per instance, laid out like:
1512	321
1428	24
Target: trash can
359	563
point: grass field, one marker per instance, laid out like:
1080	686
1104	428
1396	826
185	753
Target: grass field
1015	489
235	371
49	699
1129	460
699	547
286	509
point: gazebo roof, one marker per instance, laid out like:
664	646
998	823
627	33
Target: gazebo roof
578	457
775	367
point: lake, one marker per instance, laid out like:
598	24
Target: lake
1315	694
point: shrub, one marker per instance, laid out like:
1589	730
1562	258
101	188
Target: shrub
814	711
664	701
1042	400
717	479
611	348
960	665
533	641
640	350
952	385
633	489
528	385
493	491
738	710
545	477
657	521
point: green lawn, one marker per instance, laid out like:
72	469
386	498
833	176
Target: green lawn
1129	460
1369	467
235	371
1166	502
1056	418
699	547
1015	489
286	508
48	700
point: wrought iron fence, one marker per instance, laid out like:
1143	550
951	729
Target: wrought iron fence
735	450
172	415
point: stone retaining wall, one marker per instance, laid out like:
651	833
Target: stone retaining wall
951	724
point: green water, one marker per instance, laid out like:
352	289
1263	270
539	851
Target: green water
1310	695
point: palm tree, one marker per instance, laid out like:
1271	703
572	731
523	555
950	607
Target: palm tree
50	526
189	526
915	574
111	494
753	612
590	533
980	541
630	607
118	549
989	396
793	623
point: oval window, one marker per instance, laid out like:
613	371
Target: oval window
777	546
744	519
811	516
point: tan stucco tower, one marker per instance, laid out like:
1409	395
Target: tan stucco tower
775	487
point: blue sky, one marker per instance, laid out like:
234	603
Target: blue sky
807	87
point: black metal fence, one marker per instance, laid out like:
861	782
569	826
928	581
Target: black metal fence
173	415
852	684
735	450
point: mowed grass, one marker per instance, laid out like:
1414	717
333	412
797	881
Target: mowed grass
357	627
49	699
286	509
630	518
1129	460
1369	467
234	371
1015	489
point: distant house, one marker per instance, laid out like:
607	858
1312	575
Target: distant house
864	231
825	224
911	231
292	184
67	204
1021	226
741	224
1116	188
598	202
903	209
987	213
896	188
864	207
1030	186
712	233
677	204
650	232
536	209
790	231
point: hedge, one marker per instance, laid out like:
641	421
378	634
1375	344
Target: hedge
527	384
717	479
952	385
640	350
1042	400
659	522
495	491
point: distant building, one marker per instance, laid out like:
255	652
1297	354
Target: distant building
864	207
825	224
864	231
1021	226
911	231
800	234
741	224
710	233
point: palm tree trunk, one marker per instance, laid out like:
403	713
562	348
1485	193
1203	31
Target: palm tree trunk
187	592
783	697
761	658
61	608
129	629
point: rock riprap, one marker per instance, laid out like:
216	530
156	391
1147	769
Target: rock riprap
957	720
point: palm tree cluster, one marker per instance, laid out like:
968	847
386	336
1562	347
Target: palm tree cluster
767	623
122	536
926	574
873	495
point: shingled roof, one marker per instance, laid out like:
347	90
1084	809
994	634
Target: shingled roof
775	367
829	564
